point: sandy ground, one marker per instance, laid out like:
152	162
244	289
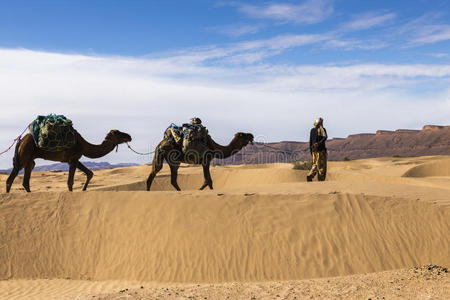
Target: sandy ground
263	233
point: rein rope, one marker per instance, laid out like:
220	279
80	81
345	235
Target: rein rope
138	153
15	141
277	149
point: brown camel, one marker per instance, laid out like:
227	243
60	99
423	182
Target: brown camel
172	153
27	151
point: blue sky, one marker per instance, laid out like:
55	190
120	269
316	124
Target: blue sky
269	67
392	31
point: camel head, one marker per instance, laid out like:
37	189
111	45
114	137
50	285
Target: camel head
118	137
244	138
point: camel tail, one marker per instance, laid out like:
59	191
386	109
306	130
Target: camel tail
16	160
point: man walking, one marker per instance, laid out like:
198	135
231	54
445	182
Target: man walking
317	138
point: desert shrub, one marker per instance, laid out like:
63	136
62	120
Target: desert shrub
345	158
396	156
302	165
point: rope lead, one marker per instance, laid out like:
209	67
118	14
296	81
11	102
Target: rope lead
139	153
15	141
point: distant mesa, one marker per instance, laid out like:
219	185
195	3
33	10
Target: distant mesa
407	130
359	135
383	132
433	127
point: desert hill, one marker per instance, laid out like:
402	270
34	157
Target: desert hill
262	223
431	140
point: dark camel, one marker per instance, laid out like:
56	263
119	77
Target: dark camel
27	151
171	152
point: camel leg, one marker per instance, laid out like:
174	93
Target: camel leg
173	176
16	167
89	174
157	165
27	174
72	168
11	178
207	175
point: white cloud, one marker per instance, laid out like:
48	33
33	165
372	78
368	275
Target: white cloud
370	20
242	52
351	44
237	30
431	34
426	29
309	12
439	55
143	96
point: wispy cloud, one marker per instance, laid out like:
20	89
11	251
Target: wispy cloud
439	55
237	30
431	34
369	20
352	44
308	12
284	41
425	19
426	29
247	51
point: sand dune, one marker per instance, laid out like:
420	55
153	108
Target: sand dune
261	223
435	168
194	237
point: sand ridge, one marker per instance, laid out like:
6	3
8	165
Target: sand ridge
435	168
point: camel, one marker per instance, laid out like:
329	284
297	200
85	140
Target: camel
202	154
27	151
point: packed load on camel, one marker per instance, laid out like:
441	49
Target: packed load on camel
189	135
53	133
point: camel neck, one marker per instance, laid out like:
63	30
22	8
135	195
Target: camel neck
226	151
96	151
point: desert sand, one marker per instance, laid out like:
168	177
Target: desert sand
262	233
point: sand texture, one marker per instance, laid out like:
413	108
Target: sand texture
262	232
